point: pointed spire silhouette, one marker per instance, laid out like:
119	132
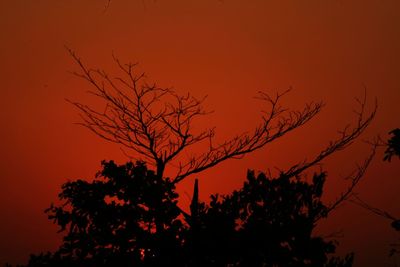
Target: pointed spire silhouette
194	205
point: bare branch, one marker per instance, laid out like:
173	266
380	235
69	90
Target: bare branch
275	123
346	138
156	123
354	178
382	213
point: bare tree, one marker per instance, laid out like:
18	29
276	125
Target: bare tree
157	124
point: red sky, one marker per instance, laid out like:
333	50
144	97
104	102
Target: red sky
228	50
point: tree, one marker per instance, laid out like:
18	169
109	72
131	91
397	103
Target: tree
156	124
111	222
268	222
128	216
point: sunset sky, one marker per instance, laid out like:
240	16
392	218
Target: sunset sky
228	50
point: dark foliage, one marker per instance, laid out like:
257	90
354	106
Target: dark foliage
128	216
268	222
115	219
393	145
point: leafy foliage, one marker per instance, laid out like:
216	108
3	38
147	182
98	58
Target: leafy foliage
113	220
268	221
128	216
393	145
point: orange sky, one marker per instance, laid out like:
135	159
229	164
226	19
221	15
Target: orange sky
228	50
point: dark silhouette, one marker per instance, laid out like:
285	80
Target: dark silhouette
128	216
156	125
268	222
393	145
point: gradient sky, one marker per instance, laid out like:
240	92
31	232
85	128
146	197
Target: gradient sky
325	50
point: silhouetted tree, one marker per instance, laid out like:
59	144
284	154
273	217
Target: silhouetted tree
111	222
156	124
128	216
268	222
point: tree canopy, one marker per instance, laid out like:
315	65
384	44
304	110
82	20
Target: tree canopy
112	221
